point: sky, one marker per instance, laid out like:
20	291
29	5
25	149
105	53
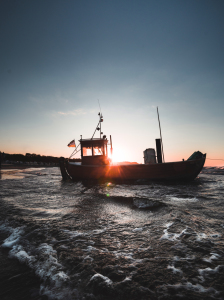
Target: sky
60	58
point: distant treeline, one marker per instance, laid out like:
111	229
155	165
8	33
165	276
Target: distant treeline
32	158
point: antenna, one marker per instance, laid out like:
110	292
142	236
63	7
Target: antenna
99	106
111	148
101	118
160	133
98	127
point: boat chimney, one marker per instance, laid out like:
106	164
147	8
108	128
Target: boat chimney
149	156
158	151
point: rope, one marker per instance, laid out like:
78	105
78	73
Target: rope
75	151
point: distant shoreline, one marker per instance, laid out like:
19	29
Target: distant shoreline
24	166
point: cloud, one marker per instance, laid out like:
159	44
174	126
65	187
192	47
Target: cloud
73	112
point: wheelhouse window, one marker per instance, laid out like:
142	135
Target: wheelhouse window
87	151
98	150
94	148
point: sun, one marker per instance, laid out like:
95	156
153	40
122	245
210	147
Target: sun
118	155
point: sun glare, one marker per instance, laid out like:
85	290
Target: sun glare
118	156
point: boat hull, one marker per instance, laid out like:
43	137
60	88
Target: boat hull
183	170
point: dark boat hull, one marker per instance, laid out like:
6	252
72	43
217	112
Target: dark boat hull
183	170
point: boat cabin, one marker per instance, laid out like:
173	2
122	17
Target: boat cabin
94	151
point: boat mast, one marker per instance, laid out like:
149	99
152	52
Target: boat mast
101	118
160	134
111	148
98	127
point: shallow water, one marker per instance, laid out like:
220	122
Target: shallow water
116	241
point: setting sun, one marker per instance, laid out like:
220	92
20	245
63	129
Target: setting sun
118	155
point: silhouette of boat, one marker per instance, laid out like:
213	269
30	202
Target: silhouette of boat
95	163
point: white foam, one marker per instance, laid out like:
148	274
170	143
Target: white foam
187	258
74	234
199	288
189	286
127	279
128	255
103	250
144	249
202	235
172	236
180	246
18	252
55	293
137	229
105	279
88	258
145	203
49	270
5	228
98	231
187	231
175	270
213	256
167	225
179	199
90	249
208	271
45	263
14	237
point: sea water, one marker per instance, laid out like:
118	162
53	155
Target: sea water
144	240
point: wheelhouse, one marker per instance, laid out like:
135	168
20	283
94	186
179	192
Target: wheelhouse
94	151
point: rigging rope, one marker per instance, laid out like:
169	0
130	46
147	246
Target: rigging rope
75	151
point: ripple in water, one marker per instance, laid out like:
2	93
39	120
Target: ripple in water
107	241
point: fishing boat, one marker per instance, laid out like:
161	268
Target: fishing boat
95	163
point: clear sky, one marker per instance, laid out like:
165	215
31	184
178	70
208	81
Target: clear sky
57	58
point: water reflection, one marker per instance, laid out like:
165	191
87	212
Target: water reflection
137	228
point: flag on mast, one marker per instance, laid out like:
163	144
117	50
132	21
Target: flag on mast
72	144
